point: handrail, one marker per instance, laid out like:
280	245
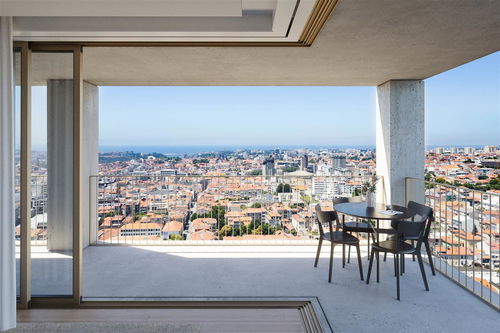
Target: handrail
463	237
452	186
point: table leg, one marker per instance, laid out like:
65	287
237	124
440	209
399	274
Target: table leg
378	255
343	245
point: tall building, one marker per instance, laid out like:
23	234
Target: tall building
304	162
268	167
469	150
490	149
339	161
439	150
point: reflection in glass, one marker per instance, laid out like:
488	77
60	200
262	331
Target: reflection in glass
51	222
17	150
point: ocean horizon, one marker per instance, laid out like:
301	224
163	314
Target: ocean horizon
199	149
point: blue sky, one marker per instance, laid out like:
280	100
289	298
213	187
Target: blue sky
462	108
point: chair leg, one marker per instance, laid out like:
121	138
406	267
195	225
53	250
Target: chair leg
368	248
397	276
395	270
402	265
429	255
359	261
318	252
372	255
378	266
331	264
343	255
413	244
421	264
385	256
349	255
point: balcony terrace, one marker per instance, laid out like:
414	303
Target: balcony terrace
233	267
221	272
72	249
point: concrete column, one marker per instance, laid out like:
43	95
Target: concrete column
7	208
400	129
60	160
90	143
60	165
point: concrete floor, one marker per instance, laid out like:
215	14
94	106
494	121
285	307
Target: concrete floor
287	271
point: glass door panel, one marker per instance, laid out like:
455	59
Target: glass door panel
52	174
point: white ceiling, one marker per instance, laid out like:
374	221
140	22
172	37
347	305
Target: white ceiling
166	8
364	42
173	20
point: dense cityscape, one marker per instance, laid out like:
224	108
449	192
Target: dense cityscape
247	194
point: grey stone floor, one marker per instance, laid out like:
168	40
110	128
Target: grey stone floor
274	271
287	271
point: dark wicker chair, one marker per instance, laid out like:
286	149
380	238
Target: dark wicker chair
335	237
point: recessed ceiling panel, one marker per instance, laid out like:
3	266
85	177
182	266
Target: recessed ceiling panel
258	20
166	8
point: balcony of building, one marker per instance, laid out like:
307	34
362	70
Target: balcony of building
276	264
73	250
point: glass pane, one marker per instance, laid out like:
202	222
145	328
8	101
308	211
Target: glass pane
17	138
52	156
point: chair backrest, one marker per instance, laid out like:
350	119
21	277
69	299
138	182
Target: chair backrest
347	199
340	200
420	225
323	217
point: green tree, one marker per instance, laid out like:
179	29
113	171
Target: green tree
283	188
257	231
290	169
266	229
306	199
194	216
440	180
225	231
174	237
255	172
237	232
293	232
256	205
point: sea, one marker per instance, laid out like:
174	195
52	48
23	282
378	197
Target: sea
193	150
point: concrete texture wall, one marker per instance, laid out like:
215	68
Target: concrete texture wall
400	131
60	162
7	202
60	165
90	155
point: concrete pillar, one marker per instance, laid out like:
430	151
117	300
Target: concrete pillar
400	130
60	160
90	152
60	165
7	208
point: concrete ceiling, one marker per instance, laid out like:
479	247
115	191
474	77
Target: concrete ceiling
364	43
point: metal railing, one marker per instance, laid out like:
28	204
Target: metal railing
160	209
465	236
38	222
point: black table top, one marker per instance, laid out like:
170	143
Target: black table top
359	209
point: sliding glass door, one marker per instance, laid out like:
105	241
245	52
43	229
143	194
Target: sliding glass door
48	227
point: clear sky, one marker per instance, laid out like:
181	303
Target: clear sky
462	108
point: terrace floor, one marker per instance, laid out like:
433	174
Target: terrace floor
276	271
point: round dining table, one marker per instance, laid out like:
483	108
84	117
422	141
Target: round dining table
376	213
